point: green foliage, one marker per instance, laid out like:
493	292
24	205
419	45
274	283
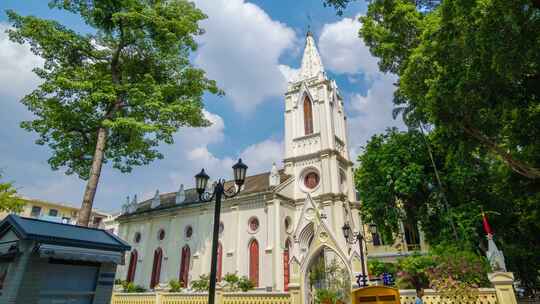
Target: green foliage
232	283
326	296
413	270
202	284
113	95
450	270
131	287
377	268
9	201
459	265
132	77
469	68
245	284
330	280
458	274
392	191
175	286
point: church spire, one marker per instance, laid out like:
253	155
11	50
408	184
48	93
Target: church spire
311	62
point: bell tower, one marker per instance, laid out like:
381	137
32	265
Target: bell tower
316	144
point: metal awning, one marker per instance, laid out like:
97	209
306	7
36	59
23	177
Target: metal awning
80	254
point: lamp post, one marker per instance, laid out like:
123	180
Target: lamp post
352	238
201	181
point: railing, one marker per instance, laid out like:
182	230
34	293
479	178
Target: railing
200	298
251	298
134	298
485	296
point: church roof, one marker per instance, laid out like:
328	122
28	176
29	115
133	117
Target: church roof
311	61
254	184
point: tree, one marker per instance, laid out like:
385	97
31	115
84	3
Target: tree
396	183
9	202
113	95
467	67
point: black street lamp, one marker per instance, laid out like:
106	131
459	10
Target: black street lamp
352	238
201	181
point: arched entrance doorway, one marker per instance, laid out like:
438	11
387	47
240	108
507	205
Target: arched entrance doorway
326	274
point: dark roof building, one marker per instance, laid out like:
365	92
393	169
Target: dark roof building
42	261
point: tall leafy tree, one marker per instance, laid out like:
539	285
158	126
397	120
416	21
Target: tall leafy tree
469	68
9	202
115	94
396	182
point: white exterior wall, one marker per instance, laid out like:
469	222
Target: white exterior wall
235	241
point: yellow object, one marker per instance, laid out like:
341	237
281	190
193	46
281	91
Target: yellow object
375	295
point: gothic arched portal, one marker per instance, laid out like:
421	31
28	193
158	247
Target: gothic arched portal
326	270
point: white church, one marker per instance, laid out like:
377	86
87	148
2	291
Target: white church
280	224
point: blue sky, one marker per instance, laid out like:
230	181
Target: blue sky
250	48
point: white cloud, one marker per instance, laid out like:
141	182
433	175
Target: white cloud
343	51
260	156
17	60
290	74
240	50
372	113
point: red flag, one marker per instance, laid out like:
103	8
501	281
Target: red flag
487	228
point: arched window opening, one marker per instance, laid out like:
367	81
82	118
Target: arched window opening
184	266
254	262
156	268
286	267
132	266
308	116
219	262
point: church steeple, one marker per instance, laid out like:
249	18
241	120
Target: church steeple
311	62
316	149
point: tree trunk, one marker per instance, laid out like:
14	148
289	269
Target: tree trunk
95	172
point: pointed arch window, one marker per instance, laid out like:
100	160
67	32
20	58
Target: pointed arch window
156	267
254	262
184	266
219	262
286	267
132	266
308	116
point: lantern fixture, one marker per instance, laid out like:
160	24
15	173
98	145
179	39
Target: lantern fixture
201	180
219	191
239	170
373	228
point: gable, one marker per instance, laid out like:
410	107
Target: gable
9	236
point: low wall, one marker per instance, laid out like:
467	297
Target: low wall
485	296
200	298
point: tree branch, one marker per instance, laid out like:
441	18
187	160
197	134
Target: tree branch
516	165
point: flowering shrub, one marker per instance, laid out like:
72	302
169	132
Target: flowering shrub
412	271
458	275
454	273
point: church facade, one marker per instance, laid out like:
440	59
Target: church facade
281	222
